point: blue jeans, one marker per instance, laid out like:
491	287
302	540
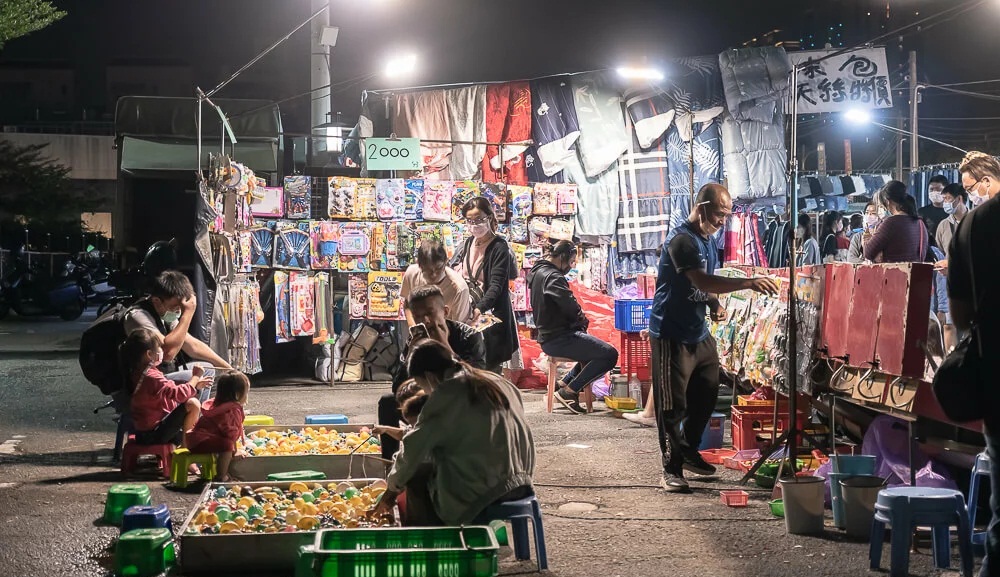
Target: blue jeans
594	357
991	564
184	376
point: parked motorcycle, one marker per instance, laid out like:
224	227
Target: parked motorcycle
28	291
133	284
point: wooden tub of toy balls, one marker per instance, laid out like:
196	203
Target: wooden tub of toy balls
283	448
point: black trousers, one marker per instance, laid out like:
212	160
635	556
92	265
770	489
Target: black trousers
388	416
686	385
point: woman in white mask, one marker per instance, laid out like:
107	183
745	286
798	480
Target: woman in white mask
856	253
808	248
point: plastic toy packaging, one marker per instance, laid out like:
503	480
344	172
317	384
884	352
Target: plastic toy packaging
357	295
302	313
321	288
384	300
282	301
390	199
292	245
519	293
324	236
437	200
562	229
566	199
298	196
342	192
261	246
365	200
485	321
355	246
243	257
414	200
465	190
496	193
271	202
520	203
546	199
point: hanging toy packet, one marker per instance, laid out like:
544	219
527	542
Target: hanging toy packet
298	196
390	198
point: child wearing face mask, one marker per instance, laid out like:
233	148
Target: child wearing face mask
163	411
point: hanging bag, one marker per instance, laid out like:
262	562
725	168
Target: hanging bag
960	382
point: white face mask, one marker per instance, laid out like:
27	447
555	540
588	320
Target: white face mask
479	230
799	232
935	196
871	220
171	317
779	209
974	195
157	359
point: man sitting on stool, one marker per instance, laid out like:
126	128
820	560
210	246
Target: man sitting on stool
426	305
562	325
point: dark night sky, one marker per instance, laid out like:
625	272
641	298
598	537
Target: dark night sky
473	40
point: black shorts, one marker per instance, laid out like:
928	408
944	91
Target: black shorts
169	430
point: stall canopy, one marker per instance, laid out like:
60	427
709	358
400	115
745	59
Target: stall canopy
159	133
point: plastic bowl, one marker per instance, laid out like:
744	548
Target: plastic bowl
777	507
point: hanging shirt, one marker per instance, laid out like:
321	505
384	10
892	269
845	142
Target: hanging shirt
776	244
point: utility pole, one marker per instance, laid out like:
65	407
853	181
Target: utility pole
900	167
319	73
914	95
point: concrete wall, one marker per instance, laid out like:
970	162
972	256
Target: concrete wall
88	157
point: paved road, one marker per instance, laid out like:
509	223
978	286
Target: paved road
55	469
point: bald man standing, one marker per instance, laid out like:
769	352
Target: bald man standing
685	361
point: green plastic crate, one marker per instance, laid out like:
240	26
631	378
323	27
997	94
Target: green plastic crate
394	552
297	476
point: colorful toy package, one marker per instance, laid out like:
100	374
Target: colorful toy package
324	235
437	199
496	193
390	198
357	295
243	256
566	199
519	293
546	199
521	204
562	229
298	196
302	313
518	250
292	245
321	288
261	246
384	300
282	301
365	200
414	201
465	190
342	193
270	203
355	246
376	258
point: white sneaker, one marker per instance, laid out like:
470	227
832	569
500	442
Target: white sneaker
638	419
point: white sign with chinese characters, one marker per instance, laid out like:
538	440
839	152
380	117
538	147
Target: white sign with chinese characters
856	79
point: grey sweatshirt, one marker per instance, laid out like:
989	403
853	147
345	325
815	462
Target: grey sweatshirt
479	453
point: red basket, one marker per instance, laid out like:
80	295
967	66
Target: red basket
748	422
735	498
636	357
716	456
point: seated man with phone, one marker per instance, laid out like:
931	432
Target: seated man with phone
427	307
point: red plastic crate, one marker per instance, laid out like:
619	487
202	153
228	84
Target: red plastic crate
716	456
636	357
747	424
735	498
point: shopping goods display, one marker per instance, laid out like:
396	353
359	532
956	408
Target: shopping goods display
309	441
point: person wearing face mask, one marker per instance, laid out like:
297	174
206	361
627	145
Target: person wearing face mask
432	269
955	202
562	325
870	221
934	213
808	253
487	265
833	227
972	284
685	362
168	311
902	236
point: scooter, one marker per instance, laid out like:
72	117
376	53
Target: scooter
132	284
29	292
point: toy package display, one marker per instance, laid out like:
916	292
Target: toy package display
357	295
243	257
321	290
292	245
271	202
545	200
298	196
341	201
561	229
390	198
496	193
302	312
521	206
366	200
282	301
355	246
414	200
384	300
465	190
566	200
261	246
437	200
324	236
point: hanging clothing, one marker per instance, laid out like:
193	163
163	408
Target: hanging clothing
508	120
847	185
859	185
645	197
597	199
707	159
755	156
425	115
554	127
754	80
603	136
743	243
776	243
534	168
467	122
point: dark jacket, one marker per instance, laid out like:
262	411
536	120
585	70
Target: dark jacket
463	339
555	309
501	339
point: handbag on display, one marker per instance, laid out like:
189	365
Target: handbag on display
960	382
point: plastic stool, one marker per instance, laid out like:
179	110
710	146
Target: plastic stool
518	513
297	476
326	420
181	459
133	450
145	552
980	469
121	497
125	428
906	507
553	378
146	517
258	421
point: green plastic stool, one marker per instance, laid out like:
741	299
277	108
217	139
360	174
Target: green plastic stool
145	552
500	531
121	497
297	476
181	459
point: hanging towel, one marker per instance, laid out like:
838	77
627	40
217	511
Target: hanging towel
555	128
596	199
467	122
707	159
603	137
424	115
644	183
508	119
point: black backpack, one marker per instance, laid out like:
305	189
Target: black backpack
99	350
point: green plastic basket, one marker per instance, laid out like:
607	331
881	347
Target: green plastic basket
407	552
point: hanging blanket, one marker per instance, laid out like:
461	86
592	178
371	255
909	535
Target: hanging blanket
554	126
755	156
754	79
707	159
424	115
467	121
644	183
597	199
508	119
603	137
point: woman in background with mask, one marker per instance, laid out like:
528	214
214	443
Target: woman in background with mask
833	225
856	254
902	236
485	259
808	253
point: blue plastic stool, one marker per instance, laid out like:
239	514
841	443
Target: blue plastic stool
326	420
979	470
125	428
146	517
906	507
518	513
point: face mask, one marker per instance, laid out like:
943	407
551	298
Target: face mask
479	230
949	207
871	220
974	196
779	209
171	317
935	197
799	232
706	225
884	213
158	359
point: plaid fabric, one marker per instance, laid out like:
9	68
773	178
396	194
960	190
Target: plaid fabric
644	183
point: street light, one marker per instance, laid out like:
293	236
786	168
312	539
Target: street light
630	73
401	66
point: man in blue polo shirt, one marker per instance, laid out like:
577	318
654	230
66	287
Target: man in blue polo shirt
685	361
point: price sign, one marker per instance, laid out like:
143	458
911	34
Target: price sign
393	154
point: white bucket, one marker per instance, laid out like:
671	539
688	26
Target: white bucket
859	494
803	499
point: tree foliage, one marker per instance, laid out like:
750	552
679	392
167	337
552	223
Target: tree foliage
22	17
37	193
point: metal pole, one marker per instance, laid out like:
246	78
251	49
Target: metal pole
914	94
793	203
199	132
900	169
691	161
